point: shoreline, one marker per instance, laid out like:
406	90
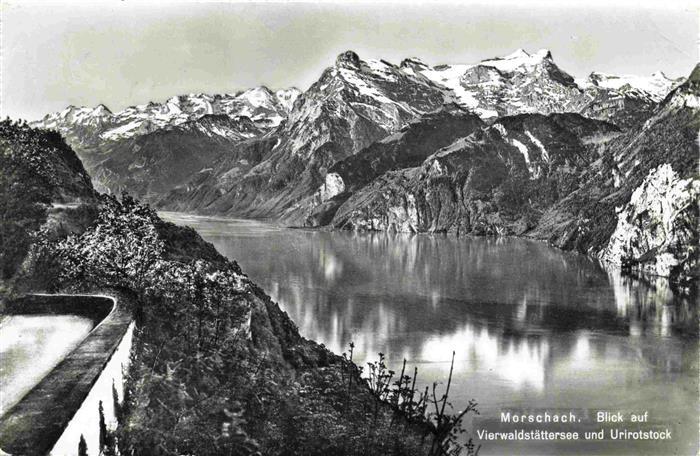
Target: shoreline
690	288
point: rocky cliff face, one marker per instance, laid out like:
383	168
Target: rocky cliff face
656	230
668	137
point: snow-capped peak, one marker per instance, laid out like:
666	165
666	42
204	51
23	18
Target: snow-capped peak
659	75
287	97
72	110
413	62
519	53
101	110
482	87
519	58
79	115
263	97
519	82
657	85
348	59
257	96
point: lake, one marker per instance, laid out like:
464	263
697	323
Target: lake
31	346
533	328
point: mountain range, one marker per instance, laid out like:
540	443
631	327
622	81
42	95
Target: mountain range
511	145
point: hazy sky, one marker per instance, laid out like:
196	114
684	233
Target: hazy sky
125	53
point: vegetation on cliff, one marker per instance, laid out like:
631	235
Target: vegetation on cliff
37	167
217	367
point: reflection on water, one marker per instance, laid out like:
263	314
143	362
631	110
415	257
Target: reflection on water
532	326
32	345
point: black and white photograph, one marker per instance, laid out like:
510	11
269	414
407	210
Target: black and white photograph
349	228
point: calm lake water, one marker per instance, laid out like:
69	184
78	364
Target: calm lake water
533	328
32	345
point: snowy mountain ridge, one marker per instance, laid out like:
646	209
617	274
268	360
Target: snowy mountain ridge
656	86
266	109
519	82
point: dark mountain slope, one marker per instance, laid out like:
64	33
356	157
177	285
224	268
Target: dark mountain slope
495	181
203	191
404	149
408	147
153	164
